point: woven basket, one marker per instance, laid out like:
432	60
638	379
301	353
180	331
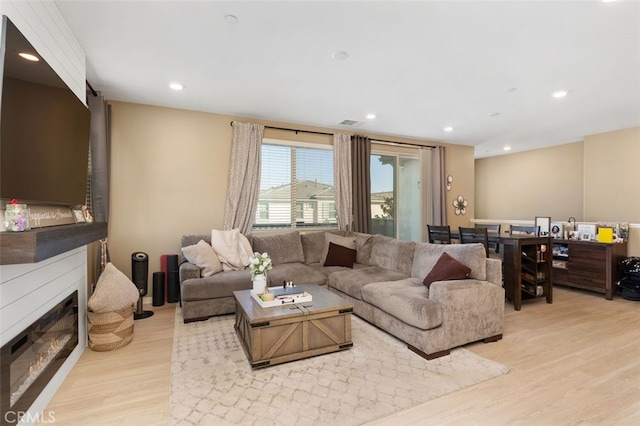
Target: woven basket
110	330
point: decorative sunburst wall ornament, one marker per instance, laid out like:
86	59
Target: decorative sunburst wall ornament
449	182
460	205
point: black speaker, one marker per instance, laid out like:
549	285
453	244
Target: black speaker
140	276
158	288
173	279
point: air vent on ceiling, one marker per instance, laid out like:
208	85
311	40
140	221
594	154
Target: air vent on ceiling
351	123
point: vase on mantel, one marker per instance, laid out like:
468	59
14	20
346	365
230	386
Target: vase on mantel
259	283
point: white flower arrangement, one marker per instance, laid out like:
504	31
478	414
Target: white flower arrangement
260	264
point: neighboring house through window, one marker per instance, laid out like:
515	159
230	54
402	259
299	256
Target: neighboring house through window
296	186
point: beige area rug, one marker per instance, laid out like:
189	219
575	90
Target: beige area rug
212	382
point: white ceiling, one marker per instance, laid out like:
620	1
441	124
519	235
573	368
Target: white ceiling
419	65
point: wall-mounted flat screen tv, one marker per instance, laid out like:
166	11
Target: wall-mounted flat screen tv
44	129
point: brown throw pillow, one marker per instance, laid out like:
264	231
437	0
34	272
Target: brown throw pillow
340	256
447	268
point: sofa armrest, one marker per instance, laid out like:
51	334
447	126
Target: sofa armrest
188	271
494	271
471	309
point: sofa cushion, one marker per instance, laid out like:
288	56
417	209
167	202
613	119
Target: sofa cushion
351	281
340	256
313	245
445	269
297	272
364	244
473	255
392	254
282	248
215	286
189	240
407	300
349	242
204	257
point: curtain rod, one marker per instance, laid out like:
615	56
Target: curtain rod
331	134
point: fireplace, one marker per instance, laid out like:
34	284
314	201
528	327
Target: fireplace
30	359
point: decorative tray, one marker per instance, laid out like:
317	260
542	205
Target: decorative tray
282	300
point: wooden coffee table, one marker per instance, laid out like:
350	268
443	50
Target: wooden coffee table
286	333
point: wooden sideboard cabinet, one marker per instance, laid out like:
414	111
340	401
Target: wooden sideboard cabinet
588	265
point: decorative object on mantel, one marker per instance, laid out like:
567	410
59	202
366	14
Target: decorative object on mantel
460	205
42	216
16	217
259	264
449	182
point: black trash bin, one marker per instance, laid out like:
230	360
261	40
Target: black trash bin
630	282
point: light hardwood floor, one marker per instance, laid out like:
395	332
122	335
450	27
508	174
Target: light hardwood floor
573	362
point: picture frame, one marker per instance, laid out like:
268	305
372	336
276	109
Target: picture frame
586	228
557	229
585	237
574	235
544	225
78	215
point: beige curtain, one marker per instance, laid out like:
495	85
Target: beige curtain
244	176
361	161
434	205
342	180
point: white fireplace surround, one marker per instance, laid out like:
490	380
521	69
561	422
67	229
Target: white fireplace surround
28	291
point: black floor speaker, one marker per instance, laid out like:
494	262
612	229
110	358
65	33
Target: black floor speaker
139	276
173	279
158	288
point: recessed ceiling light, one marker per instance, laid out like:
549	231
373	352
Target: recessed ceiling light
559	94
176	86
339	55
608	1
28	56
507	148
371	116
231	19
448	129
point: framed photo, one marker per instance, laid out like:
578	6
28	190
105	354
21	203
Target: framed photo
78	215
585	237
544	226
556	230
574	235
585	228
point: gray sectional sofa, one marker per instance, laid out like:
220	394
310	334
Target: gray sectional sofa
385	285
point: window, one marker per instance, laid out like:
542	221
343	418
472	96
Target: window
296	186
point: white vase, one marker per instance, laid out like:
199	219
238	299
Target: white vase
259	283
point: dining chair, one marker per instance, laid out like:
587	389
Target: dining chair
474	235
491	229
524	229
439	234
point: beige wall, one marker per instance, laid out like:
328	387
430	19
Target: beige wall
612	176
460	165
542	182
169	172
595	180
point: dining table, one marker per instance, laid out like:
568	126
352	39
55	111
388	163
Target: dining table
514	247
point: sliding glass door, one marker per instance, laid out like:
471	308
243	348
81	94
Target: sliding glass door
395	196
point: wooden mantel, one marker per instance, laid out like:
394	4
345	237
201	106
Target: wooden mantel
42	243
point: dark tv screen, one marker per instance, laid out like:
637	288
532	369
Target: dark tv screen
44	130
